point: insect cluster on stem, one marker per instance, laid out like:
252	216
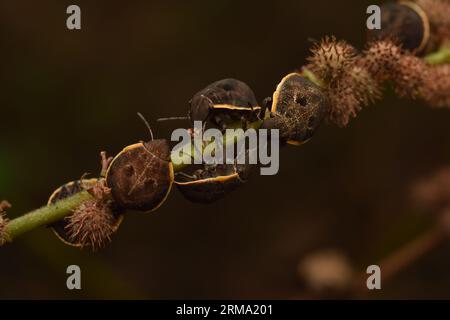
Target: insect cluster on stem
335	84
140	177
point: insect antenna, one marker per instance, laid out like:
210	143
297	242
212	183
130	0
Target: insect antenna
146	124
151	135
172	118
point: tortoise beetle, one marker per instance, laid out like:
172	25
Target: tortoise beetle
223	102
405	22
297	108
141	175
211	182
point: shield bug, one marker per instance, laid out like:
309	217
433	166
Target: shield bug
297	108
141	175
211	182
404	22
93	222
223	102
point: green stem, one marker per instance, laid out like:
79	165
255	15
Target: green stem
44	216
52	213
176	157
440	57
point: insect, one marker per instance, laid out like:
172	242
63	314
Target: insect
62	228
211	182
141	175
297	108
404	22
222	103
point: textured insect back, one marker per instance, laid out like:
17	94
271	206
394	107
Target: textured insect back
4	205
298	108
224	102
404	22
210	183
92	224
141	176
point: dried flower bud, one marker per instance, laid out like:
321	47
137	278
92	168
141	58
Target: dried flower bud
330	57
409	76
380	59
354	89
92	224
94	221
436	90
344	104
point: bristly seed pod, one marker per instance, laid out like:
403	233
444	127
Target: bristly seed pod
93	222
330	57
404	22
410	75
4	205
347	94
436	90
380	59
297	109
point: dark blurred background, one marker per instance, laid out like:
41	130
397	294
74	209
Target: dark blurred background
66	95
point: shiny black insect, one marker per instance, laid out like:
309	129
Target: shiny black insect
222	103
404	22
211	182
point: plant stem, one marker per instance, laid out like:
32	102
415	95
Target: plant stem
403	257
176	157
44	216
52	213
439	57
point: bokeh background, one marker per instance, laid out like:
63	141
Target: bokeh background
67	95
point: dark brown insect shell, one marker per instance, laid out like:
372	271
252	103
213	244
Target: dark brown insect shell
211	183
141	175
67	190
298	107
404	22
223	102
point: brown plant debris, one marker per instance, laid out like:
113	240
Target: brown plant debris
91	224
353	80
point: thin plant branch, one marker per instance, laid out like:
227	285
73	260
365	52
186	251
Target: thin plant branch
55	212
